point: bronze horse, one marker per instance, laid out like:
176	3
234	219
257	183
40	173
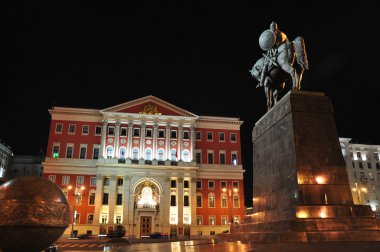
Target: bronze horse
278	67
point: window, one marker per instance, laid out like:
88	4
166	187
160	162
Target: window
198	157
358	154
235	184
234	158
80	180
111	130
378	166
65	180
71	129
369	165
199	184
90	219
376	156
353	164
105	217
211	221
199	200
69	151
236	220
161	133
85	129
221	137
136	132
174	155
98	130
209	136
199	222
173	200
236	201
360	165
118	219
224	220
93	181
233	137
148	154
91	199
135	153
198	136
123	131
210	158
211	200
223	184
186	135
119	200
173	134
161	155
56	151
186	200
105	199
173	183
186	156
119	181
109	152
95	153
148	132
106	181
58	128
52	178
354	174
224	201
82	153
185	184
211	185
122	152
222	158
370	175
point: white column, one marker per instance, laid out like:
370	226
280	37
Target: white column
155	131
104	134
193	200
130	137
117	129
192	143
126	199
98	198
111	200
166	206
168	141
179	142
142	140
180	201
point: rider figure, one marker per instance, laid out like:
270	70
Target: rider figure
280	38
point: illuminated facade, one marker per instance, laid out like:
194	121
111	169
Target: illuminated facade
363	168
5	155
148	165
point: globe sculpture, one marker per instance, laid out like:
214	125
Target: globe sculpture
34	213
119	231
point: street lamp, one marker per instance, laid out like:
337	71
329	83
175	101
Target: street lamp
77	193
230	195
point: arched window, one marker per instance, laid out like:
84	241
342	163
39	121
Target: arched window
122	152
223	200
160	155
148	154
186	155
135	153
211	200
109	152
173	155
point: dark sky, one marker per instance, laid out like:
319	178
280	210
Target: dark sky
195	56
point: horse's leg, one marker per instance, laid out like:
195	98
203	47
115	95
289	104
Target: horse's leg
300	77
293	73
268	93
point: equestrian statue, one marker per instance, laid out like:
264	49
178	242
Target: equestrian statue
283	63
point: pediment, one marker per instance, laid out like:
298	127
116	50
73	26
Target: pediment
150	105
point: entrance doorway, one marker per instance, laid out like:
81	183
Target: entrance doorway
145	226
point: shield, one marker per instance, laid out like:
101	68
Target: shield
267	40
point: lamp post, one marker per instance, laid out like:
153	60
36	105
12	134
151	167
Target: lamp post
77	193
230	196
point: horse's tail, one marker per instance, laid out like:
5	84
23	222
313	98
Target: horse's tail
301	56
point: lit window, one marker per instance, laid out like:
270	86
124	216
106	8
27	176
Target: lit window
148	154
135	154
56	151
93	181
52	178
211	200
65	180
211	220
80	180
123	152
109	152
186	156
160	154
234	158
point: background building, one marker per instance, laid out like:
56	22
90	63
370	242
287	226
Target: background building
363	168
25	166
148	165
5	155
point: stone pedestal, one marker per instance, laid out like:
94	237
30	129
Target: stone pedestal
301	191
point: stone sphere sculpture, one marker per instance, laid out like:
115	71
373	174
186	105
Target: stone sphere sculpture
34	213
119	231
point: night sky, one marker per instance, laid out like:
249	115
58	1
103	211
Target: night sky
195	56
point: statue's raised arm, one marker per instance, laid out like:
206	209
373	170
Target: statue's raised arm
282	62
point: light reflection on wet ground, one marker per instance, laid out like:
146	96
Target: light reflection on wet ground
214	245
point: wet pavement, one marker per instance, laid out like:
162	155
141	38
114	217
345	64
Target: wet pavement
213	245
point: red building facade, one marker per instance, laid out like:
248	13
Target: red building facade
148	165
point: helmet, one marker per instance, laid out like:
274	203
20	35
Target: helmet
273	26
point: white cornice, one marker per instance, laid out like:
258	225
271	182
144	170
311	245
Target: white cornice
114	116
